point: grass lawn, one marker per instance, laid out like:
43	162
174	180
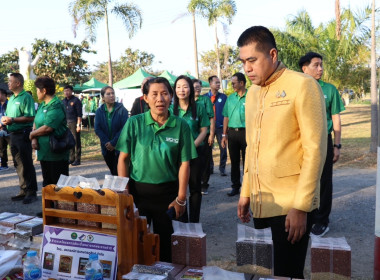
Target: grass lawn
356	138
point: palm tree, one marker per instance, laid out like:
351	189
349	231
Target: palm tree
337	18
90	12
374	112
213	11
192	12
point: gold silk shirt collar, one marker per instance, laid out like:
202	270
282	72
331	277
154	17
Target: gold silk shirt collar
276	74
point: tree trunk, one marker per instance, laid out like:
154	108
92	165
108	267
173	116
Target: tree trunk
217	56
110	74
338	25
195	47
374	111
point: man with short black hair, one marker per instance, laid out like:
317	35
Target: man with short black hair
19	120
218	100
312	64
234	129
73	108
286	147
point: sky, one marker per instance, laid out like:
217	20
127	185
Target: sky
170	42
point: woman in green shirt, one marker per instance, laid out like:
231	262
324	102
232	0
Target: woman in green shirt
155	150
195	115
50	119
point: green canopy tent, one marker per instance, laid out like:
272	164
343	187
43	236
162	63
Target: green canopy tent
91	84
204	83
170	77
133	81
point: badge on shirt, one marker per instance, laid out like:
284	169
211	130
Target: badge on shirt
45	111
72	104
325	96
17	103
220	100
282	94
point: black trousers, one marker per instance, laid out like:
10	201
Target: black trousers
4	142
289	259
52	170
111	158
322	214
75	153
207	155
223	151
153	200
195	189
21	150
236	146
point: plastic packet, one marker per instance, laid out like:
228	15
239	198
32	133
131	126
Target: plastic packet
115	183
254	250
216	273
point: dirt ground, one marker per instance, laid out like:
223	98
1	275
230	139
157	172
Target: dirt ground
353	213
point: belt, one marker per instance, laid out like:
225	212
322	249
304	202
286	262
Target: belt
237	129
21	131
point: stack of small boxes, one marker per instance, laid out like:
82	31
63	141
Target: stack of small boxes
254	250
330	258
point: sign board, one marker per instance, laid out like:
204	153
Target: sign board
65	253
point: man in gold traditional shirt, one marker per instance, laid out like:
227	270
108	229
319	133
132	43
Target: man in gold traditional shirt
286	149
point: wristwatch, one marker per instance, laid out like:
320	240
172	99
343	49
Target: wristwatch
338	146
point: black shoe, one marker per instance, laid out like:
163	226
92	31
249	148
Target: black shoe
233	192
320	230
223	173
19	196
29	198
75	163
71	161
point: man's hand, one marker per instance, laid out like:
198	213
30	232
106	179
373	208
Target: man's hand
336	154
295	224
6	120
211	139
243	209
78	128
224	142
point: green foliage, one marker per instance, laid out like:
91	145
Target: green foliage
29	86
228	62
62	61
125	66
8	64
345	61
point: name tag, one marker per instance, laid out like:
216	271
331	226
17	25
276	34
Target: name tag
45	111
172	140
17	103
325	96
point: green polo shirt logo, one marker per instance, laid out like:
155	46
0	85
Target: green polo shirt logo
171	140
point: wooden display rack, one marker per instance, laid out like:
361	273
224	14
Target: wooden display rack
134	243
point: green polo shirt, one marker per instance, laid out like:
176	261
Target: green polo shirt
234	110
52	115
21	105
109	120
207	104
201	120
156	152
334	104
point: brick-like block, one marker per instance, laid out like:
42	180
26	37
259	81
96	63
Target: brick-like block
174	268
189	250
88	208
